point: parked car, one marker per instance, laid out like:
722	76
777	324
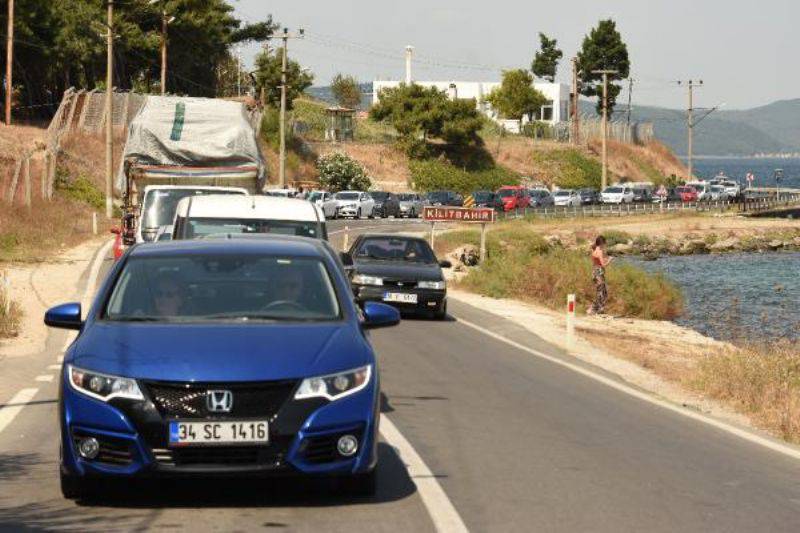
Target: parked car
354	204
283	379
703	190
448	198
617	194
686	193
732	189
717	193
484	198
281	193
642	194
589	196
567	197
319	197
512	197
411	205
540	198
386	204
209	216
402	271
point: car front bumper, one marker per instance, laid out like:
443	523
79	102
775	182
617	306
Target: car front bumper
348	211
427	299
302	439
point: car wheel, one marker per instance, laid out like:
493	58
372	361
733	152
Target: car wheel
362	485
358	213
441	312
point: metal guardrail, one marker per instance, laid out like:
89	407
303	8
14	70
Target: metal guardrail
745	205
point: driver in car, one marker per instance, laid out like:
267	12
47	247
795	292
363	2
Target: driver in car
290	288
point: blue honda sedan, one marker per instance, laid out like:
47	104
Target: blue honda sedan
235	357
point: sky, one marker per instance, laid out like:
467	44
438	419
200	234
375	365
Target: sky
745	52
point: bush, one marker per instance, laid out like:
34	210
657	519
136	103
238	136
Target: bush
435	174
573	169
339	172
81	189
616	237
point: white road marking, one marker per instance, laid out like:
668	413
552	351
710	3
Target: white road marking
54	367
775	446
60	358
440	508
14	406
45	378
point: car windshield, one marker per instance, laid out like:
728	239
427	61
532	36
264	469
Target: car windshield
439	196
684	189
395	249
158	206
505	193
314	196
483	196
201	287
379	196
205	227
347	195
562	193
613	190
405	197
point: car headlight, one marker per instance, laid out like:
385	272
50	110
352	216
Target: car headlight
432	285
103	386
334	386
361	279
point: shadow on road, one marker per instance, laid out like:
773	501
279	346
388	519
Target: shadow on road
393	484
16	465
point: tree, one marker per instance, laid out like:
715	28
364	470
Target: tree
603	49
268	75
346	91
516	96
419	113
339	172
545	62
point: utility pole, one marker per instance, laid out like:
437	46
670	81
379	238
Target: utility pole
630	98
605	74
9	59
690	124
576	130
284	65
409	53
109	109
239	70
165	22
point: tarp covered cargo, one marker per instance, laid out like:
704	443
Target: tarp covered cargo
174	137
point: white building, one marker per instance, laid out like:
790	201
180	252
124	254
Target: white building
556	110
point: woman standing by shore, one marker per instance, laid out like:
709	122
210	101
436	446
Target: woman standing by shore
600	260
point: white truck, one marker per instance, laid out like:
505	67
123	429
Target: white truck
179	147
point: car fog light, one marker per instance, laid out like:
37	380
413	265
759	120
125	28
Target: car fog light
347	445
88	448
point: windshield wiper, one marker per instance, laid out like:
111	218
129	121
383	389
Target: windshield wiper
244	316
133	318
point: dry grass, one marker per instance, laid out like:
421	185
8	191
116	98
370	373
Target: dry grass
16	140
762	382
651	162
9	321
386	165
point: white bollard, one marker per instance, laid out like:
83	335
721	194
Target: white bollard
346	242
570	320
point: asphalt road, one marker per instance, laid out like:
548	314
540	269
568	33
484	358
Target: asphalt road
516	442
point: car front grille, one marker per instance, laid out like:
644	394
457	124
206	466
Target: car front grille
218	456
188	400
400	283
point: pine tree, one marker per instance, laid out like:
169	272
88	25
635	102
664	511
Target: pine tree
603	49
545	62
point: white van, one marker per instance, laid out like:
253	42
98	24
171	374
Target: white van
210	216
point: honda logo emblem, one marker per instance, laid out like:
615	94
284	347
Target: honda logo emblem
219	401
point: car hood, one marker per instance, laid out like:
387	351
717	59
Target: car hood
219	352
399	269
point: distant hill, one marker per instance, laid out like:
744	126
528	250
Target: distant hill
773	128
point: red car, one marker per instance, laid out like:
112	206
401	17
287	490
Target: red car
512	197
686	194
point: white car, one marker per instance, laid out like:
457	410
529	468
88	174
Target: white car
319	198
567	197
732	188
354	204
703	190
217	216
718	193
617	195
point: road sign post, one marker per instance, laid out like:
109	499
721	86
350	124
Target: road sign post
468	215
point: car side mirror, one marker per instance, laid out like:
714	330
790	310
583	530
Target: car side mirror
64	316
445	264
379	315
